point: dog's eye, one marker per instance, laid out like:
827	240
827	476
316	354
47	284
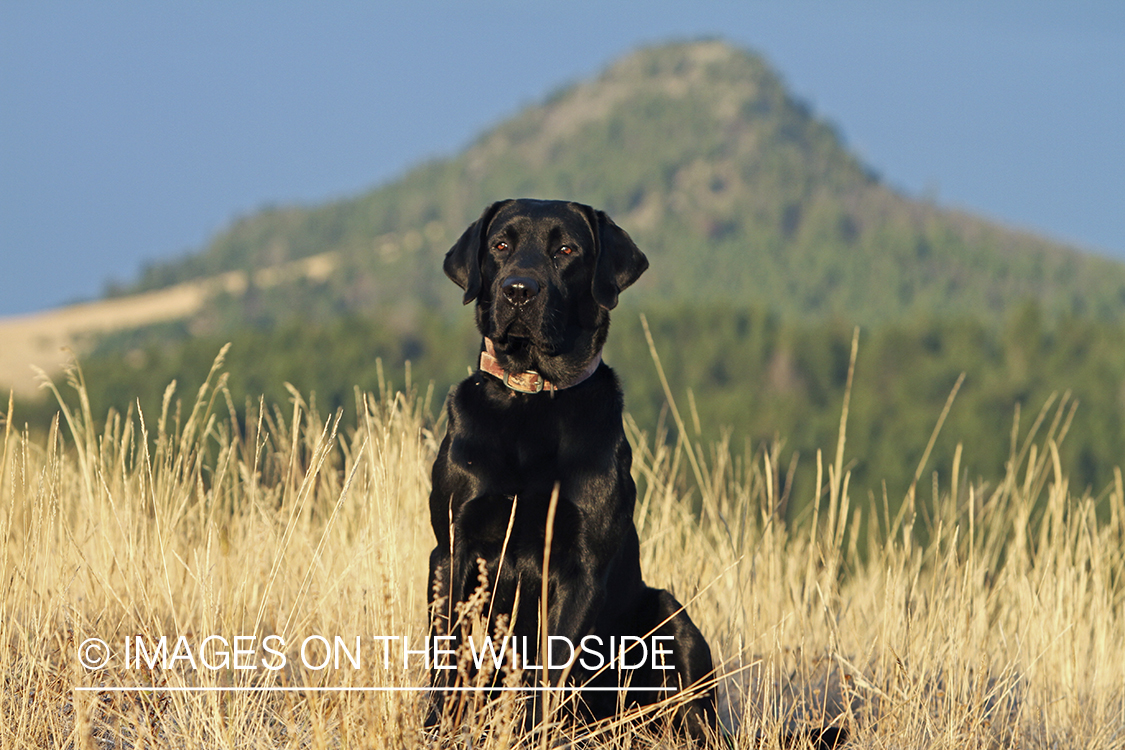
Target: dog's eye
501	247
564	250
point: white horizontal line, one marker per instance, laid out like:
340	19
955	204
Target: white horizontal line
251	689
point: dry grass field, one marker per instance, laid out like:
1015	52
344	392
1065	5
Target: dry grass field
45	339
997	621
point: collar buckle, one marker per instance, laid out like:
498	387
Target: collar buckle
532	375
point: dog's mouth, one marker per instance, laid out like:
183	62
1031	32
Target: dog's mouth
520	348
518	331
521	345
513	333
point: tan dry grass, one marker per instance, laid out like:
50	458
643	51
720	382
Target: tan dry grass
41	339
45	340
1005	629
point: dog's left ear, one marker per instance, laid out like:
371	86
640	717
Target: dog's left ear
462	262
619	261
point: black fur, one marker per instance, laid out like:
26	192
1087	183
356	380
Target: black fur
544	276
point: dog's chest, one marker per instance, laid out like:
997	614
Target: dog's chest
515	465
518	450
511	461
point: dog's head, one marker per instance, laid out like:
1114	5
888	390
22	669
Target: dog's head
545	275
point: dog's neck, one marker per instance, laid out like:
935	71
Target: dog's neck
529	381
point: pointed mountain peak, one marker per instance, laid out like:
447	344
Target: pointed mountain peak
735	189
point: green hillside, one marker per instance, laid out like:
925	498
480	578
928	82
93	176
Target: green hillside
743	374
735	190
768	241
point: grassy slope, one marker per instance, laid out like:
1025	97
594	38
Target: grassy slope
1005	625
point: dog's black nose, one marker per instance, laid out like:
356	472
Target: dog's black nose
519	289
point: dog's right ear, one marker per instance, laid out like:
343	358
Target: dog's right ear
462	262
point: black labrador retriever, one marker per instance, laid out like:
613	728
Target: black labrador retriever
535	436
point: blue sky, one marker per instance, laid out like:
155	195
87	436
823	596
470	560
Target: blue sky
134	131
